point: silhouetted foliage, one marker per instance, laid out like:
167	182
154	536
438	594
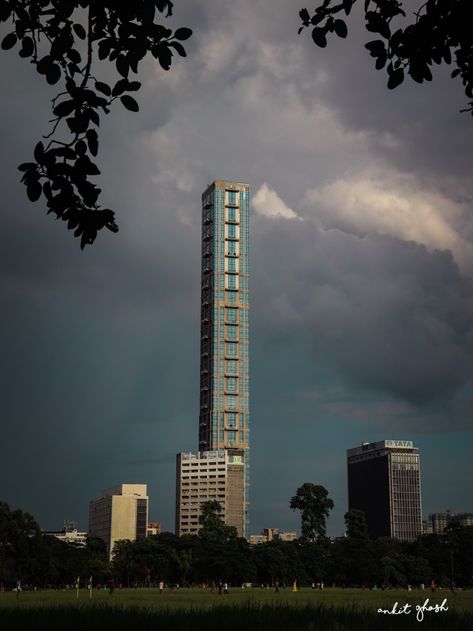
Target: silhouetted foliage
64	40
214	528
315	506
440	33
20	539
356	524
41	560
36	559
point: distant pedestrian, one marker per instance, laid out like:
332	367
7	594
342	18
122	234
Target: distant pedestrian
112	586
161	587
276	587
225	588
220	587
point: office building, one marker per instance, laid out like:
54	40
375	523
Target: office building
287	536
154	528
464	519
271	534
384	482
209	476
224	419
121	513
69	534
439	521
427	528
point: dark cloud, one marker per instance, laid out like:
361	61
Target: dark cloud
361	314
386	313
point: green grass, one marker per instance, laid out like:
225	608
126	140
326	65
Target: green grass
241	610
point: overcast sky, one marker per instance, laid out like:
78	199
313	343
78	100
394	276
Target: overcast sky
361	273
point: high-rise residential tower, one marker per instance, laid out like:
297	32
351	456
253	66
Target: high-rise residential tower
224	418
384	482
224	379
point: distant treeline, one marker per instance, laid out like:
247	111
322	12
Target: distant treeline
39	560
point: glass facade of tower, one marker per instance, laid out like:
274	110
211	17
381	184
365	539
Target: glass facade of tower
224	419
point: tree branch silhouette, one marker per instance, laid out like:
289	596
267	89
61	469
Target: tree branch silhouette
50	34
441	33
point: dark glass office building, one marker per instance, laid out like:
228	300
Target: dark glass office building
384	482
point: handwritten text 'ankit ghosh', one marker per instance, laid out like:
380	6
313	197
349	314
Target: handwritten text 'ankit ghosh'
420	610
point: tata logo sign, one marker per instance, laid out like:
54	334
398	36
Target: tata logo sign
398	443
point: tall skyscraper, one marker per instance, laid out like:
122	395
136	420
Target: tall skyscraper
224	379
121	513
224	418
384	482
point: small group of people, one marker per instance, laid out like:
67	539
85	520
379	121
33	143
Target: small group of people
222	588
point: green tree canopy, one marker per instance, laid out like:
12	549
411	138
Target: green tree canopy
213	527
356	525
315	506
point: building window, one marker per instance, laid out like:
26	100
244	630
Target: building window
231	349
232	248
231	315
232	367
232	197
232	281
232	332
232	214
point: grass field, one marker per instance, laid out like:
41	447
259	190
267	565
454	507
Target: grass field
240	610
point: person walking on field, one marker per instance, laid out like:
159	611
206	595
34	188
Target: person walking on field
161	587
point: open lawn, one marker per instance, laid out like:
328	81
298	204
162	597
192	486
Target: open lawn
240	610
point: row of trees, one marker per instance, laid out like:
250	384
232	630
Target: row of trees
217	553
345	561
36	559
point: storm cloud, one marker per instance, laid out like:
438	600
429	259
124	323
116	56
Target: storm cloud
361	273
